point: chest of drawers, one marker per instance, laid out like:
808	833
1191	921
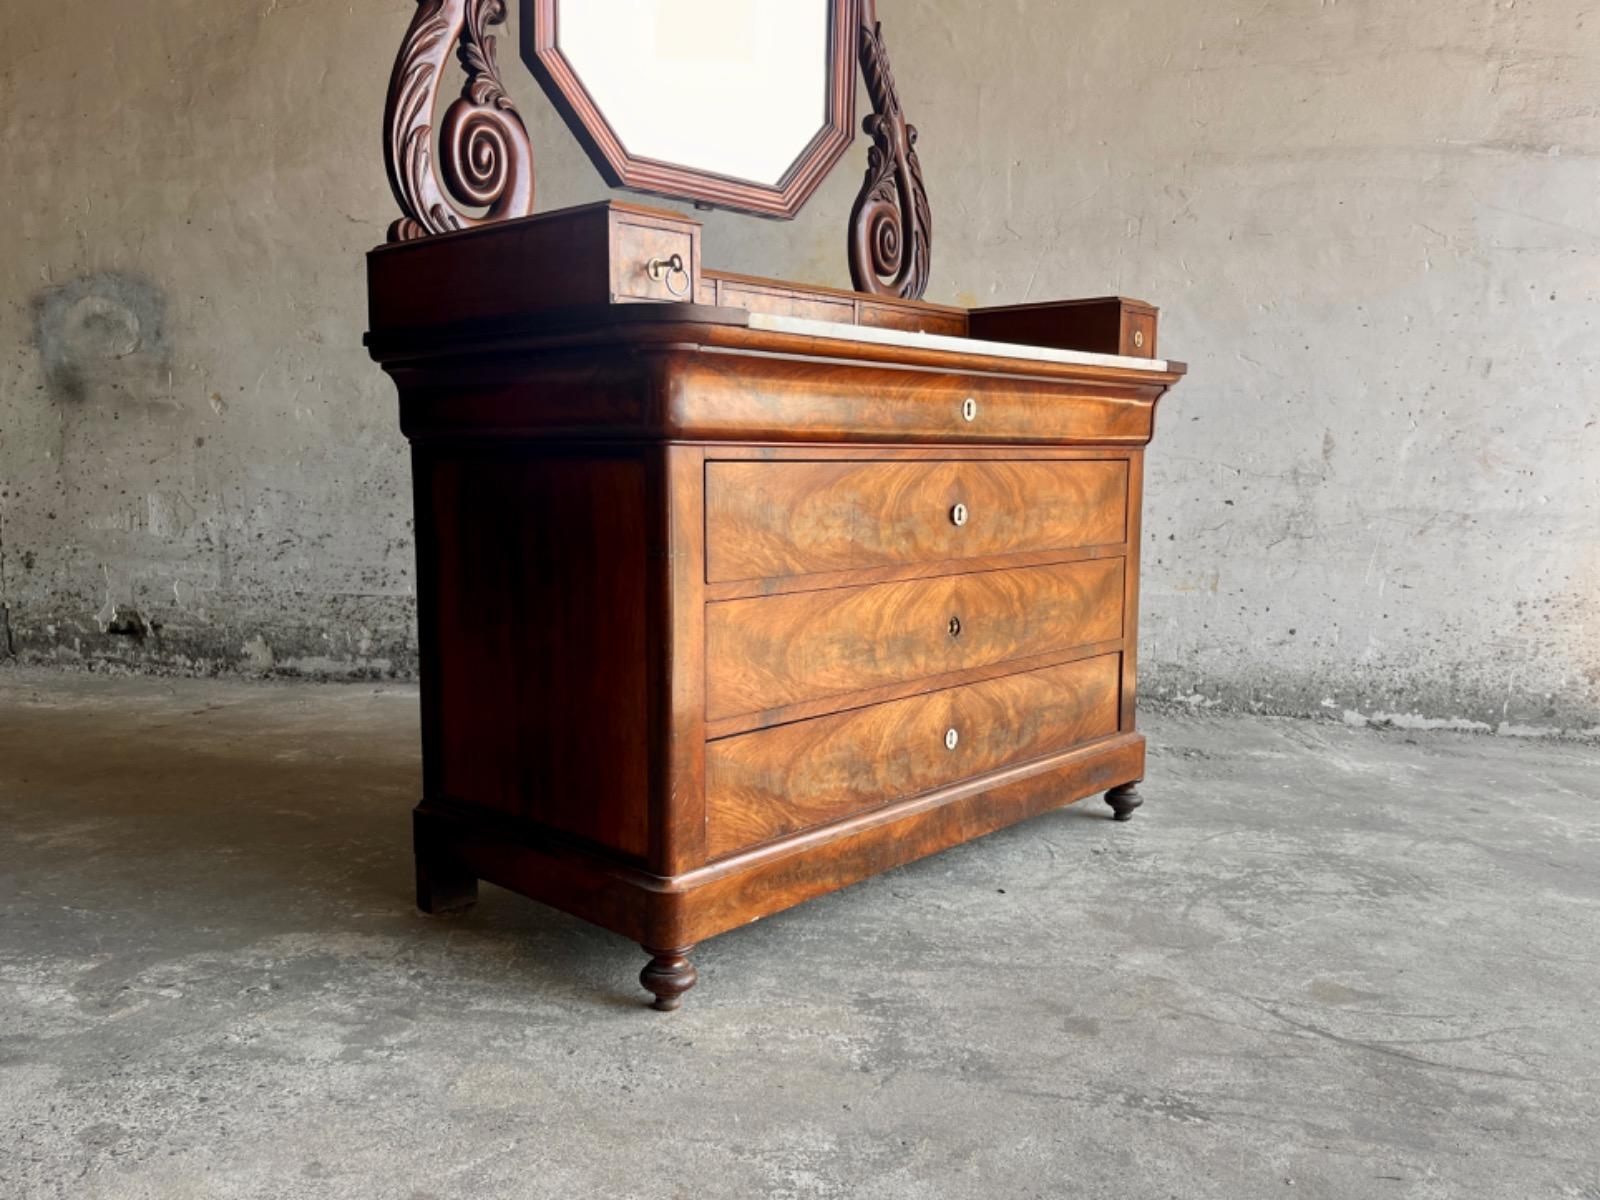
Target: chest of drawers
718	613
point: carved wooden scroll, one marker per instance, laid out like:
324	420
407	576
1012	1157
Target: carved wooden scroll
487	157
891	225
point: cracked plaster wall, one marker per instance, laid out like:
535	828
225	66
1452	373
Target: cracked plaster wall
1373	227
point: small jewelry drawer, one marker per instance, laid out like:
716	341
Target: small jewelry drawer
774	782
775	652
610	253
768	520
1138	334
653	262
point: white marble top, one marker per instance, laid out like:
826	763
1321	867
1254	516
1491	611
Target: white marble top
840	331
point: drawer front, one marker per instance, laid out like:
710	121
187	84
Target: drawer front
913	319
636	247
778	399
1139	334
774	651
768	784
770	519
786	302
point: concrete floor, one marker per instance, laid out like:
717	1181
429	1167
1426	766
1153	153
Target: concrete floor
1319	963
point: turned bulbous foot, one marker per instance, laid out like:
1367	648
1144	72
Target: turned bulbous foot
1123	800
667	976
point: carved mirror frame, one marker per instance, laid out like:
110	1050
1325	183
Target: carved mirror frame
542	52
487	156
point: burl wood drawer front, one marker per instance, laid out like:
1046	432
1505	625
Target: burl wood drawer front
768	784
636	247
771	519
775	651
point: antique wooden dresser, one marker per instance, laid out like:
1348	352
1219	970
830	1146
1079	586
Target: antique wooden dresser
732	592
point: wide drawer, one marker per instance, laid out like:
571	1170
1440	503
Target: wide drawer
770	519
768	784
774	651
772	397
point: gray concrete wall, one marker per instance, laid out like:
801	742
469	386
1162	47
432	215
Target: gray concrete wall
1373	228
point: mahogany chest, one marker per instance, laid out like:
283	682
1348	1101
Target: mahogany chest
721	606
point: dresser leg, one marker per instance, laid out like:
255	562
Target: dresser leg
1123	801
443	887
667	976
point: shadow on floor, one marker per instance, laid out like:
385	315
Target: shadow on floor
263	816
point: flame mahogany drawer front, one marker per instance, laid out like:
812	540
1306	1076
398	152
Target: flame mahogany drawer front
774	652
768	520
766	785
769	399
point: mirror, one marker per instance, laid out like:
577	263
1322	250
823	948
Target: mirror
743	104
658	69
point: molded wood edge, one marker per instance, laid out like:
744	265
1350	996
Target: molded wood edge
734	891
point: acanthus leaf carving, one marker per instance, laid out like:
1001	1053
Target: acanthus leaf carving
891	224
486	154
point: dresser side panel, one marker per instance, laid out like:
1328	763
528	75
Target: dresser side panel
536	637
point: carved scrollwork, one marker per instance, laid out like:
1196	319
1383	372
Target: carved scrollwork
485	152
891	225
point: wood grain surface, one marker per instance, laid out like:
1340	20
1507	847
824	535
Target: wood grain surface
788	299
734	891
774	519
534	627
765	785
700	635
790	399
780	650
